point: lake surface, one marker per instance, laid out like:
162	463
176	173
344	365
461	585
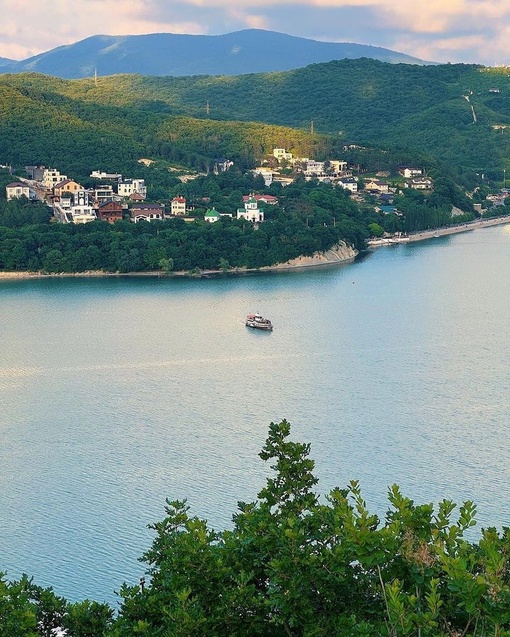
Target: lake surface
117	393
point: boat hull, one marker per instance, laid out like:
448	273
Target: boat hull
258	322
259	326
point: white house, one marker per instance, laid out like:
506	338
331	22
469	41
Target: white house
18	189
408	172
83	214
81	209
337	165
349	183
281	154
251	211
212	215
128	187
99	174
178	206
146	212
419	183
314	167
267	174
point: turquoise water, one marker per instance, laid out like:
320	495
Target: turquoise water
118	393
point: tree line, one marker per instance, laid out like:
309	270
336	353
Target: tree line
296	564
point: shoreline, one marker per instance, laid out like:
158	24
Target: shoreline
338	255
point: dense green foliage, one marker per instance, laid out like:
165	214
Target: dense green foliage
315	218
395	114
425	110
295	564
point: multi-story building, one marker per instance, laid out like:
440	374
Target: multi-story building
128	187
51	177
178	206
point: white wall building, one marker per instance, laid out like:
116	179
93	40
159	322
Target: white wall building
338	165
251	211
128	187
99	174
281	154
267	174
314	167
349	183
18	189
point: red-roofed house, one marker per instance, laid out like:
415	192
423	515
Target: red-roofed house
269	199
178	206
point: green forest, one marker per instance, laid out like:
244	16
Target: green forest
310	217
423	110
296	563
374	115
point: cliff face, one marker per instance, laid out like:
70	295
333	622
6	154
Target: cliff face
339	253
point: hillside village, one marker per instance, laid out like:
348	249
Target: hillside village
115	198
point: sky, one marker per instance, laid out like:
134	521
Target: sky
471	31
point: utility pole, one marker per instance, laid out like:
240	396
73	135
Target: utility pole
207	109
311	127
95	76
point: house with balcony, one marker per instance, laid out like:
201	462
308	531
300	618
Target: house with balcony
281	154
178	206
51	177
128	187
110	211
419	183
314	168
103	193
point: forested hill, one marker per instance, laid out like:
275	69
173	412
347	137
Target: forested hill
458	114
247	51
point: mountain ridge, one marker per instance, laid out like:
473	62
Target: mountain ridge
167	54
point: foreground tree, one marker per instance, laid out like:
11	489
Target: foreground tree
294	565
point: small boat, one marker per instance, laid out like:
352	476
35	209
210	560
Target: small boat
258	322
